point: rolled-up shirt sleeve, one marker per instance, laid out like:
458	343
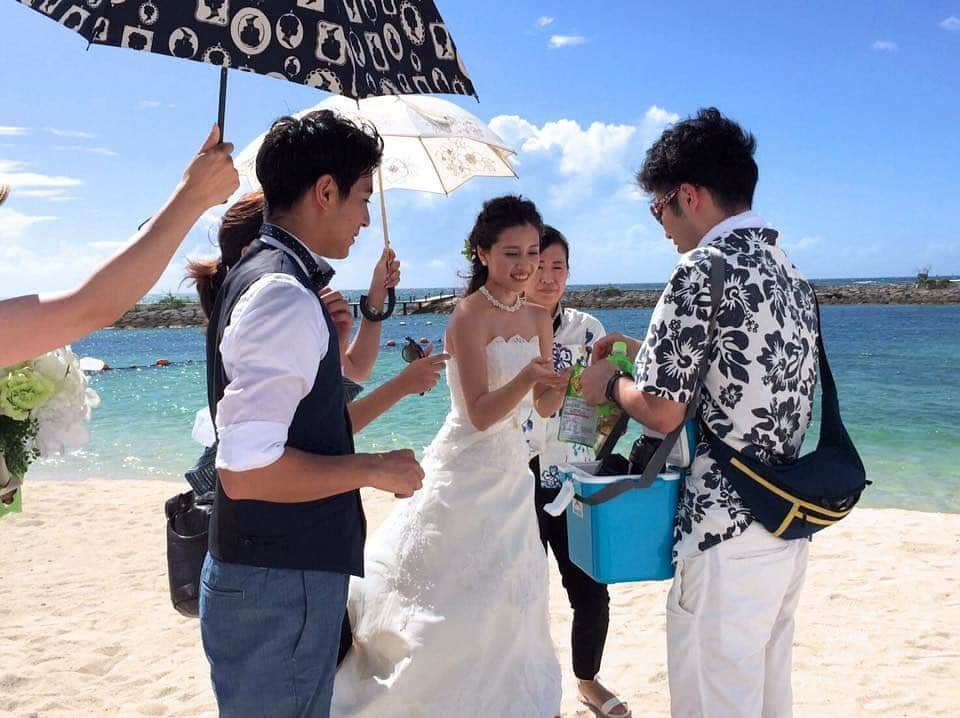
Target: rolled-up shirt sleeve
669	358
271	353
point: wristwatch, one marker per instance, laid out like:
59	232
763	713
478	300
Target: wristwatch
612	385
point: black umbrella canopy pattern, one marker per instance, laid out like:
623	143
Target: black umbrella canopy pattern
358	48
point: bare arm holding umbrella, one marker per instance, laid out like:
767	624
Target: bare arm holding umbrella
33	324
359	355
362	354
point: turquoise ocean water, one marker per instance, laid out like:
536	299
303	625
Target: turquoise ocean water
898	369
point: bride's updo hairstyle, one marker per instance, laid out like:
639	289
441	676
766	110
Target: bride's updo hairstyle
498	214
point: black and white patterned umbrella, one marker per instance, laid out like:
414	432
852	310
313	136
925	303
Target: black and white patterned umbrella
358	48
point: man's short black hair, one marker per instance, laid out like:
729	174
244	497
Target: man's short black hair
708	150
297	152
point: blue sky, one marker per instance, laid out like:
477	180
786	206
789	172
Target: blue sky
855	105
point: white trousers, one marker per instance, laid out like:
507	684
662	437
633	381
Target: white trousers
730	627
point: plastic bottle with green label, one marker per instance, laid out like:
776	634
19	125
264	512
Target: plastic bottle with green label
578	419
609	413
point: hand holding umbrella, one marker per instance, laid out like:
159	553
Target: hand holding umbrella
34	324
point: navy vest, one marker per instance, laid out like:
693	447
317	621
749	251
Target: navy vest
323	535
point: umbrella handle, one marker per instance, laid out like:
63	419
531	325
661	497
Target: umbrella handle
221	111
372	314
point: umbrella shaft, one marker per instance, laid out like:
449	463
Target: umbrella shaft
383	210
223	100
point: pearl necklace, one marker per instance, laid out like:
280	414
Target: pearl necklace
500	305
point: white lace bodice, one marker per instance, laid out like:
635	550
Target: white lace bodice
505	359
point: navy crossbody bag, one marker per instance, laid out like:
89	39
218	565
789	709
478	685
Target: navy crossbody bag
797	499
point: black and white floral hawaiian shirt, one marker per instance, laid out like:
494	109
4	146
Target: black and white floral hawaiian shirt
758	392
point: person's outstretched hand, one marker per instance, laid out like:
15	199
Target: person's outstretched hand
540	371
603	347
211	178
421	375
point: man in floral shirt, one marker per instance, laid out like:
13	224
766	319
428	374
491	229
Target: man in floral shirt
736	587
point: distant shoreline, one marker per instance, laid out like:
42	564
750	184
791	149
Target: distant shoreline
190	314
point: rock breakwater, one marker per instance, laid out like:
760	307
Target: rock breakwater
190	315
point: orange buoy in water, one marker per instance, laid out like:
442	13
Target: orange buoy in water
391	343
162	362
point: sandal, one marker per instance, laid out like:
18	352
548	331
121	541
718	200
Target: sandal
605	711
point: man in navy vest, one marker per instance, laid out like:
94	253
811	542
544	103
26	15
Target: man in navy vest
287	528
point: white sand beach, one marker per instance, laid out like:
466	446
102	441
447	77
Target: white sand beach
88	630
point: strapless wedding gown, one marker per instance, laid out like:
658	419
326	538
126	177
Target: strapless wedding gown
451	618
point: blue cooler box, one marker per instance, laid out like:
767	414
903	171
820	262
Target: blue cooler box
630	537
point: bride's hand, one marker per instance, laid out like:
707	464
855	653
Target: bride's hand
557	383
541	371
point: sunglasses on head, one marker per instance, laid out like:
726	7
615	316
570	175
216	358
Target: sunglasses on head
412	350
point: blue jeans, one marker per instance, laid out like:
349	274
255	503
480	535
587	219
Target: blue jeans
271	637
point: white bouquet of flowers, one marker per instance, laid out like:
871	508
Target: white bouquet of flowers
44	404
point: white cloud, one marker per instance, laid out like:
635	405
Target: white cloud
582	151
24	269
655	120
566	40
584	155
438	264
513	129
39	193
8	131
149	104
102	151
72	134
13	225
630	192
11	173
803	244
885	46
597	149
544	21
52	195
951	24
212	217
107	245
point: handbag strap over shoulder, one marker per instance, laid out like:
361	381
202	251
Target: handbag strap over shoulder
831	425
659	458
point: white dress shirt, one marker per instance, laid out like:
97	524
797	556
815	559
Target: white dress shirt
271	350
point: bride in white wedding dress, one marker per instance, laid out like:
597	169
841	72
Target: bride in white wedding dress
451	618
